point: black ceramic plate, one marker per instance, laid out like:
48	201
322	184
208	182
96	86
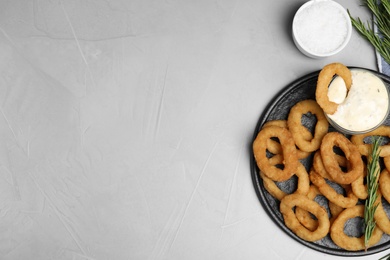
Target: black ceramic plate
304	88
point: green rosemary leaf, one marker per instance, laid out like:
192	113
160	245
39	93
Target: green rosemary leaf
386	5
373	171
381	12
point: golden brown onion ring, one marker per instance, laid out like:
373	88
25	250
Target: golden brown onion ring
275	147
348	242
381	218
320	168
355	162
290	158
358	186
331	194
302	186
297	129
386	161
335	211
286	208
324	79
304	216
365	148
384	184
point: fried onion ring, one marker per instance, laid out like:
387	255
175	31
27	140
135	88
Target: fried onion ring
380	216
349	242
335	211
291	221
302	186
386	161
331	194
275	147
280	123
365	148
324	78
306	134
384	184
320	168
304	216
355	162
290	158
296	128
358	186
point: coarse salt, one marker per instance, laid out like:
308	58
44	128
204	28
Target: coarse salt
321	28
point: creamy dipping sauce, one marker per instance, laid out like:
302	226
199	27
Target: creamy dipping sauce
364	106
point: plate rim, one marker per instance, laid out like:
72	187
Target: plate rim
260	190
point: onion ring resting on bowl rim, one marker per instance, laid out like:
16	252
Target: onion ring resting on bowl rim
324	79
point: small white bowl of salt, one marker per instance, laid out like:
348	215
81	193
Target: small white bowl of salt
321	28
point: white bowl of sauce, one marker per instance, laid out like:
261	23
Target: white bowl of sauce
361	109
321	28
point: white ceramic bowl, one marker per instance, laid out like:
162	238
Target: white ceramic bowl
321	28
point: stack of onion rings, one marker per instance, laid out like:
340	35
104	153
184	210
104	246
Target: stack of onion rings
281	144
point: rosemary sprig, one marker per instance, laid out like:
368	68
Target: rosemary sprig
373	171
381	12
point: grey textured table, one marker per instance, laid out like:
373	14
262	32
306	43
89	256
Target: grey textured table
125	126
